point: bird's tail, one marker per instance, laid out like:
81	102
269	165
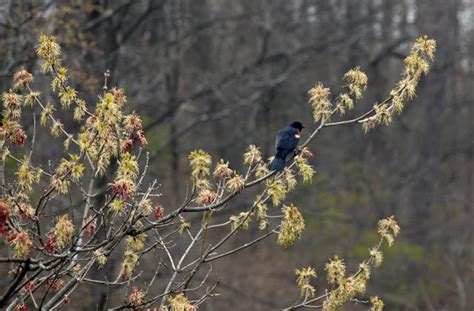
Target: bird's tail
278	163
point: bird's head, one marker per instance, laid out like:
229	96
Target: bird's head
299	126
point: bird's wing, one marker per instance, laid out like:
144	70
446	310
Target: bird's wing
286	139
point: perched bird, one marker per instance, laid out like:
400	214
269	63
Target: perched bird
286	142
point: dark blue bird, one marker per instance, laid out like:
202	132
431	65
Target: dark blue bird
286	142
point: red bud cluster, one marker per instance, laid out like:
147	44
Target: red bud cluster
30	286
159	212
139	137
123	188
19	137
126	146
90	227
50	245
307	153
14	132
21	307
4	214
133	125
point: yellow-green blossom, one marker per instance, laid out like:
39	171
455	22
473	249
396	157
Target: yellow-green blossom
319	100
180	303
303	278
336	270
252	155
63	230
292	226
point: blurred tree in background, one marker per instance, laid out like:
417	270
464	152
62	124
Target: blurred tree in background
221	75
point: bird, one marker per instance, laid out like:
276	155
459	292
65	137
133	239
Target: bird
285	143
